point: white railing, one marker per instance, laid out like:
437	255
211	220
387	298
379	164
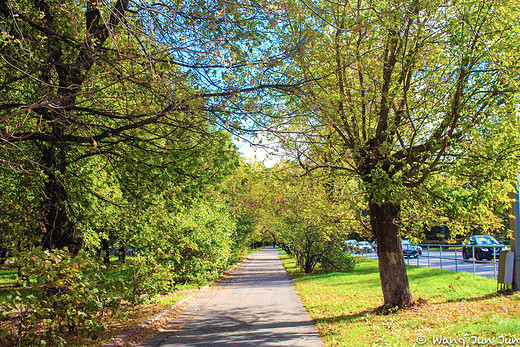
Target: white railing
449	257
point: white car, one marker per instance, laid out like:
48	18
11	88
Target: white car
364	246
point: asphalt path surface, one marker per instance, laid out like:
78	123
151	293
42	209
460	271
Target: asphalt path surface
256	306
452	261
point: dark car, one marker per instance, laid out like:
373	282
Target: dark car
485	247
409	250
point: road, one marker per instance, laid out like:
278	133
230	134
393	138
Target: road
450	260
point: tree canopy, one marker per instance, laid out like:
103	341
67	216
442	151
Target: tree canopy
132	94
418	101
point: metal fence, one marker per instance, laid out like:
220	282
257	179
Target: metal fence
449	257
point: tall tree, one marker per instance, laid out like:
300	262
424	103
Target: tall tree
400	91
139	83
300	213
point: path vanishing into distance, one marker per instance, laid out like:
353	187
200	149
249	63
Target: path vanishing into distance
256	305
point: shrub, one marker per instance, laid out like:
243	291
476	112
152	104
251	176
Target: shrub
336	258
142	275
60	298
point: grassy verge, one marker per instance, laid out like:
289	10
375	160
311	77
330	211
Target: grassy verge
254	250
458	307
8	275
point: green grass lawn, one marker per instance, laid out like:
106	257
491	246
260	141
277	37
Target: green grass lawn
254	250
451	306
8	275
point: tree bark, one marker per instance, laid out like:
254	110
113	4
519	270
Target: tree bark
65	70
392	269
59	231
122	254
105	249
4	253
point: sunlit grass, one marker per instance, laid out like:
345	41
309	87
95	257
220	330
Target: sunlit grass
169	300
254	250
453	305
8	276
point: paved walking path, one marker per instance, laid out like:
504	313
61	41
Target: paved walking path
256	306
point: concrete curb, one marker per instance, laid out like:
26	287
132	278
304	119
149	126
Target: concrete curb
150	320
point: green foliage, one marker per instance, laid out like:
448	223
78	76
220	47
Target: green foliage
63	298
307	215
337	259
240	195
21	208
134	127
206	231
416	100
243	236
136	279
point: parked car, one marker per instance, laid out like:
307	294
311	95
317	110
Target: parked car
409	250
485	247
364	247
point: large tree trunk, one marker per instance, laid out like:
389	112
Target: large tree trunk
65	71
59	231
392	269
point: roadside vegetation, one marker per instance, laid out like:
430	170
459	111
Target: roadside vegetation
345	307
62	300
